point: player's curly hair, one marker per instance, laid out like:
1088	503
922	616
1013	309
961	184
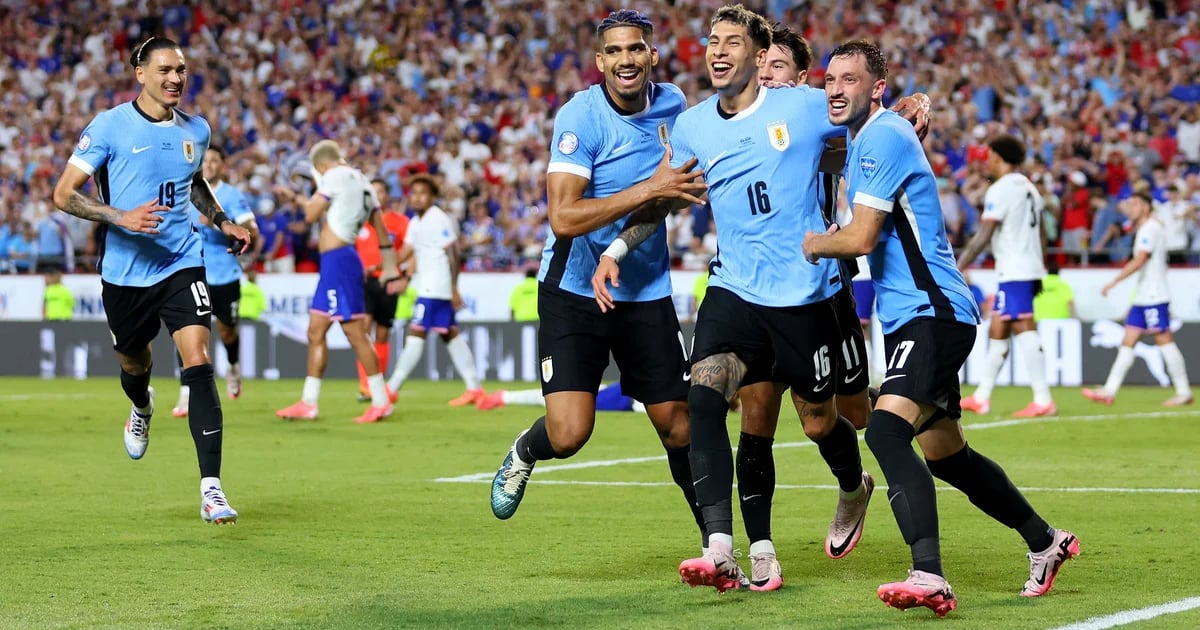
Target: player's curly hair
785	37
1009	148
428	180
140	55
626	17
756	25
877	64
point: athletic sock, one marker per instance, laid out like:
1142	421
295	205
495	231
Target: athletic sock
523	397
312	390
997	352
711	459
233	351
535	445
681	474
378	390
840	450
410	356
910	488
463	360
989	489
756	485
1030	343
137	389
1173	359
1120	367
384	352
204	418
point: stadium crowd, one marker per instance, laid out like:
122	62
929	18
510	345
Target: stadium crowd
1106	95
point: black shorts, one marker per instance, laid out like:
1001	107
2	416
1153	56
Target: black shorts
853	351
225	298
800	343
575	339
380	305
923	358
134	312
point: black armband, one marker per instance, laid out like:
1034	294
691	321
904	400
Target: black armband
389	246
218	219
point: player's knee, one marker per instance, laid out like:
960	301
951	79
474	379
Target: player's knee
671	422
568	436
886	432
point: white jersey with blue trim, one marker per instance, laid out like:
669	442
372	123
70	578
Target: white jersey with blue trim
221	266
1015	203
351	200
912	265
132	160
613	151
761	168
1151	287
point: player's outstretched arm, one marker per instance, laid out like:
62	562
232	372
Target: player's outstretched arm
858	239
144	218
1137	262
206	203
573	215
977	244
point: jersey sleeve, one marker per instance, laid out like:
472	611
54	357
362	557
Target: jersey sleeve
93	149
681	146
881	166
446	233
817	109
331	183
574	146
997	203
239	208
1148	237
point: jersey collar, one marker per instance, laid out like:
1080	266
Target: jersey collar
758	101
879	112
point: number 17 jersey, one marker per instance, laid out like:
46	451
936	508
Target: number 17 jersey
132	160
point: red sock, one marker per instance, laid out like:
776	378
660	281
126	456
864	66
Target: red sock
383	351
362	377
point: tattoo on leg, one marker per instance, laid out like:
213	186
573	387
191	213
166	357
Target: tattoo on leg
723	373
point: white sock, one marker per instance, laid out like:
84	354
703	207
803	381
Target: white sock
210	482
410	356
725	539
463	360
997	352
375	384
761	547
523	397
1176	368
1035	361
185	392
1120	367
638	407
312	390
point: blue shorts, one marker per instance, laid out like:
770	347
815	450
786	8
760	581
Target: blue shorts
1014	300
1152	319
433	314
864	299
339	293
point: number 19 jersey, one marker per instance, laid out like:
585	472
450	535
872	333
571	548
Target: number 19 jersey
132	160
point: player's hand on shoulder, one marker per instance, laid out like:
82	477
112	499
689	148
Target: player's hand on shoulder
144	218
779	84
915	109
685	182
239	237
608	271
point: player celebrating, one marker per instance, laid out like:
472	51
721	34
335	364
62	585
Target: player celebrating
1151	299
223	271
604	138
432	240
380	302
1011	222
929	322
348	196
151	266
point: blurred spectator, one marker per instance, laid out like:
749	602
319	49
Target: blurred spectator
522	302
1057	299
253	302
58	302
1177	217
22	249
276	242
1076	215
53	243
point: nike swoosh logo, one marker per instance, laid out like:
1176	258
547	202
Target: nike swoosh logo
622	147
137	150
821	387
1041	581
200	313
708	164
697	482
891	377
207	432
751	496
687	376
850	379
838	550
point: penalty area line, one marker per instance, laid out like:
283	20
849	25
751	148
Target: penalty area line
999	424
785	486
1133	615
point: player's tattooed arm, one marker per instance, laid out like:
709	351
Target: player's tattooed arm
643	222
203	198
85	207
66	197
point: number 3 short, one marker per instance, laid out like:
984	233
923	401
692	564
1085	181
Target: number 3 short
923	359
134	313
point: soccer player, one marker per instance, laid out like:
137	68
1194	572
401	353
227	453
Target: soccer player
223	273
1012	223
380	302
431	240
606	138
347	195
929	322
1151	299
144	157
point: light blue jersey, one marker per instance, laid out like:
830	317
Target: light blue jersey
221	266
613	151
761	169
133	160
912	265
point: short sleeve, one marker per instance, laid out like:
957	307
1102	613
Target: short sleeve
93	149
681	146
817	107
881	166
1147	238
574	147
331	182
995	204
239	208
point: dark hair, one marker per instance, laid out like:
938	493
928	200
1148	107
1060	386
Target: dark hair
876	63
427	180
1009	148
756	25
218	150
141	54
787	38
626	17
379	180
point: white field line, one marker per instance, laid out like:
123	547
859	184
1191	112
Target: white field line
602	463
42	396
1135	614
785	486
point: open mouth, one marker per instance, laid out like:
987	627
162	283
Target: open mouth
171	91
838	106
721	69
628	77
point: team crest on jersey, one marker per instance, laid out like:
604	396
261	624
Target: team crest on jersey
547	369
868	166
189	151
567	143
664	136
85	141
778	135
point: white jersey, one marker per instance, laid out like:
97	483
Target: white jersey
351	200
1015	203
429	235
1151	286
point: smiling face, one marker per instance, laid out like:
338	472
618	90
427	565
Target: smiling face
850	90
625	58
780	66
733	59
214	166
163	76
